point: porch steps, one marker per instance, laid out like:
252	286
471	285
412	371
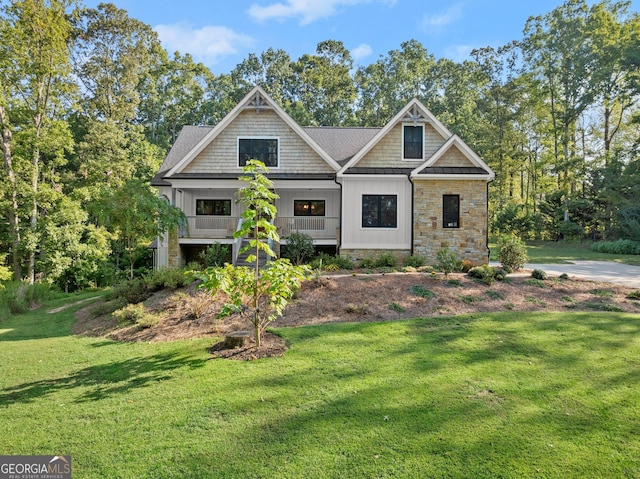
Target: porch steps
242	259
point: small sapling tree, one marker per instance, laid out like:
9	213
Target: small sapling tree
259	293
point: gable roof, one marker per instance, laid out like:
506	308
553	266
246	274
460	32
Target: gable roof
429	169
188	137
414	111
256	99
340	142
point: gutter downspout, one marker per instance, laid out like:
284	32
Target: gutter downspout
339	239
412	211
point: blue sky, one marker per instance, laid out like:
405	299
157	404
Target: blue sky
222	33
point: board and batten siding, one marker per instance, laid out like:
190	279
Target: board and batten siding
221	155
284	204
354	236
387	153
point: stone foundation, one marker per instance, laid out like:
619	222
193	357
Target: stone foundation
357	255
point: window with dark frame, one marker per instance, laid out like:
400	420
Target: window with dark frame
450	211
379	211
213	207
413	142
308	207
262	149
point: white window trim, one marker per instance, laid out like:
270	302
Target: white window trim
380	228
402	144
257	138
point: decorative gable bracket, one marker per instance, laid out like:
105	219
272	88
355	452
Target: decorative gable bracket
414	115
258	102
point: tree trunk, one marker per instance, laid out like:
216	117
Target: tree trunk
14	217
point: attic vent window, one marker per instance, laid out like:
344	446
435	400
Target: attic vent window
261	149
413	142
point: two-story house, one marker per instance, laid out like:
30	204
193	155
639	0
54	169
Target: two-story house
409	187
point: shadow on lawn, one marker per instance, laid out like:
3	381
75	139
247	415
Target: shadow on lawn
105	380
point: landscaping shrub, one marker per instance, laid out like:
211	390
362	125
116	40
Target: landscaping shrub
448	261
421	291
396	307
106	308
299	248
172	278
539	274
484	273
136	314
512	252
415	261
324	260
215	255
197	304
18	297
535	282
386	260
367	262
133	291
634	294
564	276
466	266
623	246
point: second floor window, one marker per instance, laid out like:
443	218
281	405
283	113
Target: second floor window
213	207
262	149
413	141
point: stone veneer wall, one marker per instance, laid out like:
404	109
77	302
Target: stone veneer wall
175	255
470	240
357	255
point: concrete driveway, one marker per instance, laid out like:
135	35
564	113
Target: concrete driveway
606	271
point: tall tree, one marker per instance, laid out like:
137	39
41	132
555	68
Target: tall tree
34	72
384	87
557	49
325	86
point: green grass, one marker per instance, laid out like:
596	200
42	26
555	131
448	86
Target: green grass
544	252
508	395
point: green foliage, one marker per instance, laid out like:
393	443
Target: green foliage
539	274
136	314
215	255
171	278
132	291
299	248
107	307
396	307
18	297
484	273
327	261
623	246
385	260
421	291
367	262
259	293
448	261
538	283
415	261
634	294
512	252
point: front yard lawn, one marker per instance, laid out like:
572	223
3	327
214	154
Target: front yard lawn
484	395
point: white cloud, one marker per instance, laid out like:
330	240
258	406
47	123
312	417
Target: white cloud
443	19
207	44
361	51
308	11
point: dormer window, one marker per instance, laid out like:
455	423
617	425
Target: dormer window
413	142
262	149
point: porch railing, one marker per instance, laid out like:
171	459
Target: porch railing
318	227
218	227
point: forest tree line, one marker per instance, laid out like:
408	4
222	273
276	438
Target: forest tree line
90	103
